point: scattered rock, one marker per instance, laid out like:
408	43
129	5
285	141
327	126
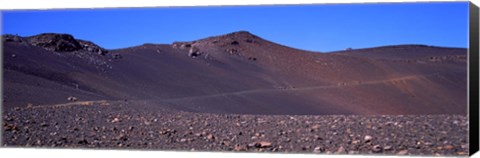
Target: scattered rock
318	149
291	133
387	148
376	148
231	51
239	148
210	137
340	150
462	153
183	140
72	99
43	124
122	137
194	52
402	152
263	144
115	120
367	138
448	147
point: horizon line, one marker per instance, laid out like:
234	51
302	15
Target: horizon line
315	51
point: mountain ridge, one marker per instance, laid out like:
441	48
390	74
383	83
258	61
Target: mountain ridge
232	35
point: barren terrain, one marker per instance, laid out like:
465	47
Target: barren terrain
234	92
139	125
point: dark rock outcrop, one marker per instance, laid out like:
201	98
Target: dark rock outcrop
12	38
92	47
55	42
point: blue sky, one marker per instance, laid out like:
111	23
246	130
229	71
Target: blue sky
326	27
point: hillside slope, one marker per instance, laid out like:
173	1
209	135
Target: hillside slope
237	73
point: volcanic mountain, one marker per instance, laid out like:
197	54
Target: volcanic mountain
236	73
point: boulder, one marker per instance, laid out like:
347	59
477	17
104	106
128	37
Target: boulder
72	99
234	43
194	52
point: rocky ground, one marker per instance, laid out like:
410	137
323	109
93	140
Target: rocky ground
140	125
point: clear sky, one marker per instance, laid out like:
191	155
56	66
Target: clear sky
326	27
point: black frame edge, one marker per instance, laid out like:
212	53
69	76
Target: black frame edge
473	79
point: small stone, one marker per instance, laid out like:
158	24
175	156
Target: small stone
367	138
115	120
340	150
183	140
462	153
239	148
210	137
376	148
388	147
288	140
44	124
402	152
263	144
448	147
318	149
315	127
72	99
122	137
225	143
251	145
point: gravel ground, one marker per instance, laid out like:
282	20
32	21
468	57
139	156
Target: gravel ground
135	125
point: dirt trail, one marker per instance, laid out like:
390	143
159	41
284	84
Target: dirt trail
238	93
357	83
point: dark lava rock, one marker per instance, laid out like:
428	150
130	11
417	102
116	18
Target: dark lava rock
12	38
92	47
55	42
58	43
234	43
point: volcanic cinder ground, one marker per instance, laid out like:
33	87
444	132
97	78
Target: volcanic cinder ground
234	92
